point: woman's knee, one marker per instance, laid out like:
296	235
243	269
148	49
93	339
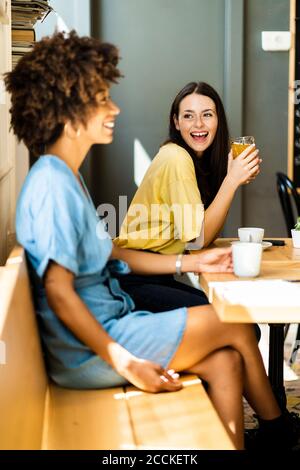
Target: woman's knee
244	334
229	360
205	319
225	362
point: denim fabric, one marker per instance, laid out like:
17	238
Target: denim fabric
162	292
56	220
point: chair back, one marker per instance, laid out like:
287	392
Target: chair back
288	195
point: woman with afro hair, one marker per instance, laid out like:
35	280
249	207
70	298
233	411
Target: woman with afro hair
92	333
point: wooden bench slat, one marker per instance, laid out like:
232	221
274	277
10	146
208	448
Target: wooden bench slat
178	420
23	380
88	419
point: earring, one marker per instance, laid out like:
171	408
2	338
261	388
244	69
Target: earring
70	132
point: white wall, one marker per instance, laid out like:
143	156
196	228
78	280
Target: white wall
74	13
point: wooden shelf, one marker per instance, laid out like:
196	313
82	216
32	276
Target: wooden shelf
23	18
7	140
11	152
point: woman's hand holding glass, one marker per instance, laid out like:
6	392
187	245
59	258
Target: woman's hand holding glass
245	167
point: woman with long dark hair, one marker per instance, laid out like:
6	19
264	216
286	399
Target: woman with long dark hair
186	193
211	160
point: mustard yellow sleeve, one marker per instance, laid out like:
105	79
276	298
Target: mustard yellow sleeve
184	198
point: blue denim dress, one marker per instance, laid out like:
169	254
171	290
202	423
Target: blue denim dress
56	220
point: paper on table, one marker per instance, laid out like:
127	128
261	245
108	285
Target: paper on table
259	293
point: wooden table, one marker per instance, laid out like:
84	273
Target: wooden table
278	262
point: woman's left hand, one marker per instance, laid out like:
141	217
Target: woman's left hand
215	260
244	168
252	178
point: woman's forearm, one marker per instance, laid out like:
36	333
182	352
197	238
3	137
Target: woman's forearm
142	262
242	170
215	214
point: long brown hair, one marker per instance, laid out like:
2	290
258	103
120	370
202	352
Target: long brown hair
211	168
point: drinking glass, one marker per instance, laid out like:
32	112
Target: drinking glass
239	144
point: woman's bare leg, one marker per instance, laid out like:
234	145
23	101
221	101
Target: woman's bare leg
223	371
205	333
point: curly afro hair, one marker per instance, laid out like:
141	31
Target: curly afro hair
58	81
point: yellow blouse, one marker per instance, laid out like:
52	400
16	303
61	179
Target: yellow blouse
166	211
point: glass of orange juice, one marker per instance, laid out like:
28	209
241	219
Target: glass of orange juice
239	144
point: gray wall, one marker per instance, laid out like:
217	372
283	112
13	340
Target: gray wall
164	44
265	111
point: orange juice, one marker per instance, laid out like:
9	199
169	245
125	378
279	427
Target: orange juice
238	148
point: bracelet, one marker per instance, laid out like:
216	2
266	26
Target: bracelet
178	264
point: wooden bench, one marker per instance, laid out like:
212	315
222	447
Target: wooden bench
36	414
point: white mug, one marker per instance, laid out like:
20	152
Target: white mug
251	234
246	258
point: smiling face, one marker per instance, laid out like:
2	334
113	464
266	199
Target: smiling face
197	122
100	126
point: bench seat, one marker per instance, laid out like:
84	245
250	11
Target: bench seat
36	414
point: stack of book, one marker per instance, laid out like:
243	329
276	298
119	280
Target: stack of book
24	14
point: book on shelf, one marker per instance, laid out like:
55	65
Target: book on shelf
28	12
37	5
21	50
41	3
26	35
25	13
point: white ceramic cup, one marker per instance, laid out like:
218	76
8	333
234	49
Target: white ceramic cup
246	258
251	234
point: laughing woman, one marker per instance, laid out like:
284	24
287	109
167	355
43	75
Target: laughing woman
184	198
93	335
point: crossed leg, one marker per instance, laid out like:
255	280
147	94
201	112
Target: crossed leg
233	370
223	372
